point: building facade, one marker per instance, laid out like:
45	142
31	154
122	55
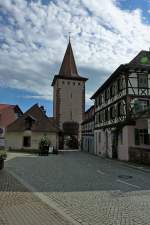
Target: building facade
118	130
29	129
69	97
87	144
8	114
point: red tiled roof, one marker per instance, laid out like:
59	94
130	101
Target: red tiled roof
68	69
4	106
68	66
42	122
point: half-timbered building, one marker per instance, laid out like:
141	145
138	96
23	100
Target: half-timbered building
124	94
87	143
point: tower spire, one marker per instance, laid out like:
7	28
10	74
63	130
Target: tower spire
68	67
69	37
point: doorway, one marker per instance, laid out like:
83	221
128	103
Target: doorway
114	144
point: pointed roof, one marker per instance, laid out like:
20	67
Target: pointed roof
68	67
142	59
41	121
6	106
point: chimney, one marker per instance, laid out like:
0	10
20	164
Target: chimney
43	109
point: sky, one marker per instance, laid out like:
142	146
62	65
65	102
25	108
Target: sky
34	36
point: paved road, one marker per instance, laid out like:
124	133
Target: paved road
91	190
18	206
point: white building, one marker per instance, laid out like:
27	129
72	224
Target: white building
26	132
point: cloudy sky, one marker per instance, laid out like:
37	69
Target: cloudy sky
34	37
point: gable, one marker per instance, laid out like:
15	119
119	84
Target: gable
143	59
41	121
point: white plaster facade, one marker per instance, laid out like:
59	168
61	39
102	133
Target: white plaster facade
103	143
126	139
70	100
14	140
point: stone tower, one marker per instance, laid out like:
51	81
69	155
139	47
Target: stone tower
68	94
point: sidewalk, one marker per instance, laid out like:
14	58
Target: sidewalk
19	206
134	165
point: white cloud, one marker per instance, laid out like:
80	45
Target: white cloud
33	39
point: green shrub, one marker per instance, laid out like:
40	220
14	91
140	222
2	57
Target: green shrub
44	142
3	154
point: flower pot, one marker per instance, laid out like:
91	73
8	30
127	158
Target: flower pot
44	150
1	164
55	151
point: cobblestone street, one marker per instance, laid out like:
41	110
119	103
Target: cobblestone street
91	190
18	206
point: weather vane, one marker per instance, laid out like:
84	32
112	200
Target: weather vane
69	36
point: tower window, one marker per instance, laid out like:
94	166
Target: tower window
71	115
73	83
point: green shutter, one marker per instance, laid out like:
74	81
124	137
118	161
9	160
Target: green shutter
137	137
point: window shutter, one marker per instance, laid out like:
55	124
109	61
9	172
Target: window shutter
137	137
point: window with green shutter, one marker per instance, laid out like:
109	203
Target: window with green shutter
137	136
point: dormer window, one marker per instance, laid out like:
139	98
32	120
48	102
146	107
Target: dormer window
29	122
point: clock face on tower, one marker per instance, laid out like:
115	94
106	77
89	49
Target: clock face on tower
144	60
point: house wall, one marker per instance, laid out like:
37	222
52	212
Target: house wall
133	82
69	101
129	138
103	142
138	153
88	144
140	124
103	146
15	139
123	144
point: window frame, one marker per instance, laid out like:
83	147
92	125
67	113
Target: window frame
28	145
141	77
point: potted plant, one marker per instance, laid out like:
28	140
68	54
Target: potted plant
3	156
44	145
55	151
